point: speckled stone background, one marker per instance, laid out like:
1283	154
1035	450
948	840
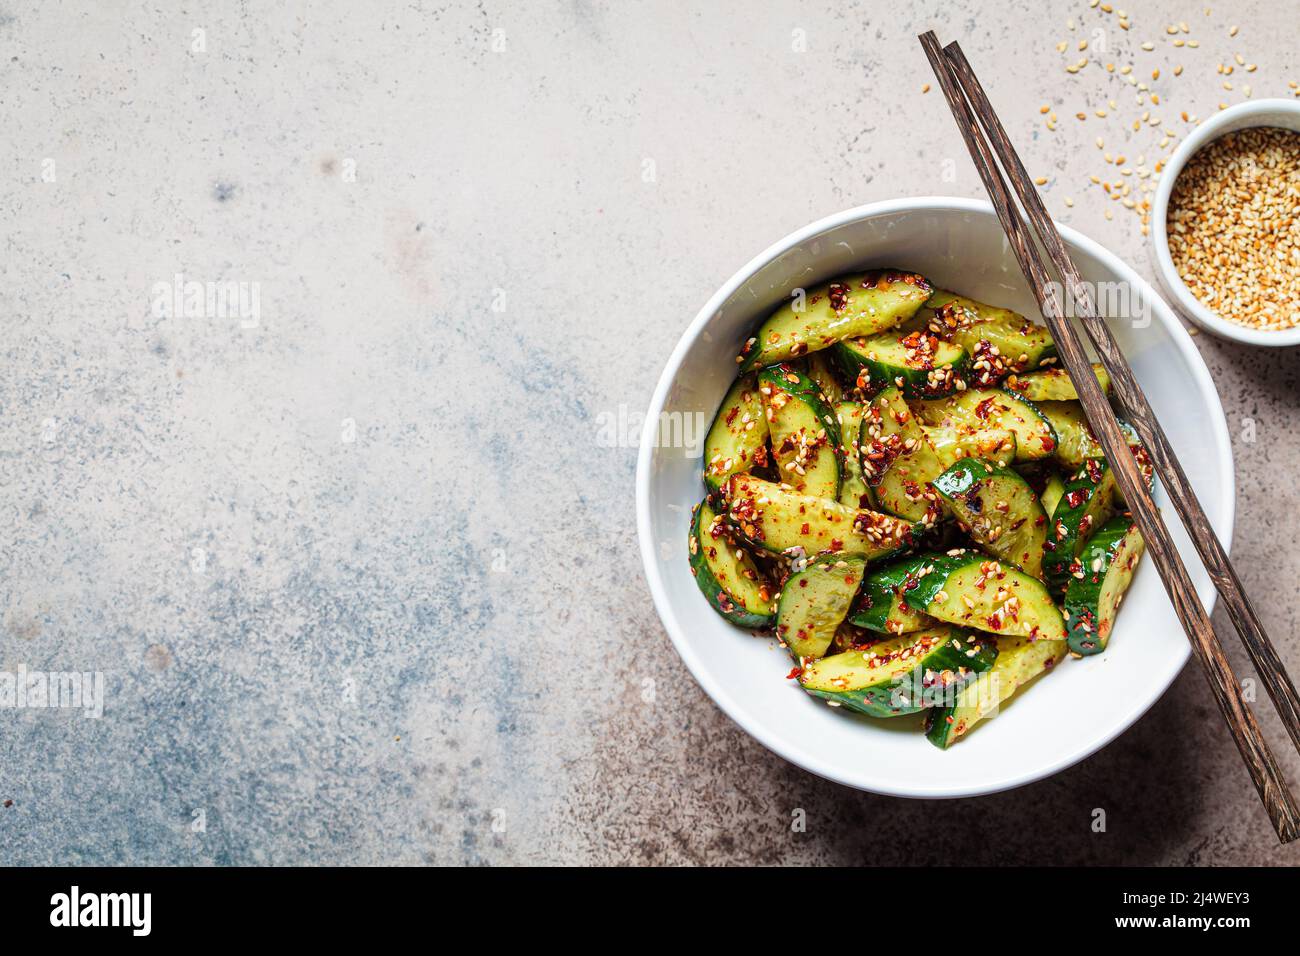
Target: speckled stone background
363	578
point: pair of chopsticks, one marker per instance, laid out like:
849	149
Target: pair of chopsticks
971	109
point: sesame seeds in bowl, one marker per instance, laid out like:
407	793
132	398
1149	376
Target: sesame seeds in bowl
1227	218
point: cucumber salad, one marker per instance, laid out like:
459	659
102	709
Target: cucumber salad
902	487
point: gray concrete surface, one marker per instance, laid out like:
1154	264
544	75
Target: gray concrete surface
360	574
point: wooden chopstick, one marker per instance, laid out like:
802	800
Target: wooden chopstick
1134	402
1259	760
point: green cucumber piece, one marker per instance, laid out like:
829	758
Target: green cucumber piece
779	519
1019	661
882	603
1087	501
999	341
971	589
737	440
1091	602
920	364
854	490
815	601
902	675
999	509
818	368
804	432
1075	442
898	461
1054	384
726	574
1052	493
980	408
953	444
858	304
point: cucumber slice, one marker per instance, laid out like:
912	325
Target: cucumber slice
902	675
1052	493
804	431
898	461
1053	384
1092	601
882	604
818	368
921	364
1075	442
737	440
999	509
999	341
1143	458
970	589
953	444
980	408
815	601
1087	501
858	304
1019	661
854	490
778	519
726	574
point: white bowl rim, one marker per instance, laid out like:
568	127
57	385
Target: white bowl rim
650	558
1172	282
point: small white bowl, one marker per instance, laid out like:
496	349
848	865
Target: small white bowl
1070	713
1280	113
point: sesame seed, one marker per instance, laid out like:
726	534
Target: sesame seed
1231	227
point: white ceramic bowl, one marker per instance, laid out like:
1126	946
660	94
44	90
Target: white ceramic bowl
1064	717
1280	113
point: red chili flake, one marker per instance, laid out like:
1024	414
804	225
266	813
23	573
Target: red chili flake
731	415
837	544
794	672
839	296
1048	443
803	582
985	408
1076	497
